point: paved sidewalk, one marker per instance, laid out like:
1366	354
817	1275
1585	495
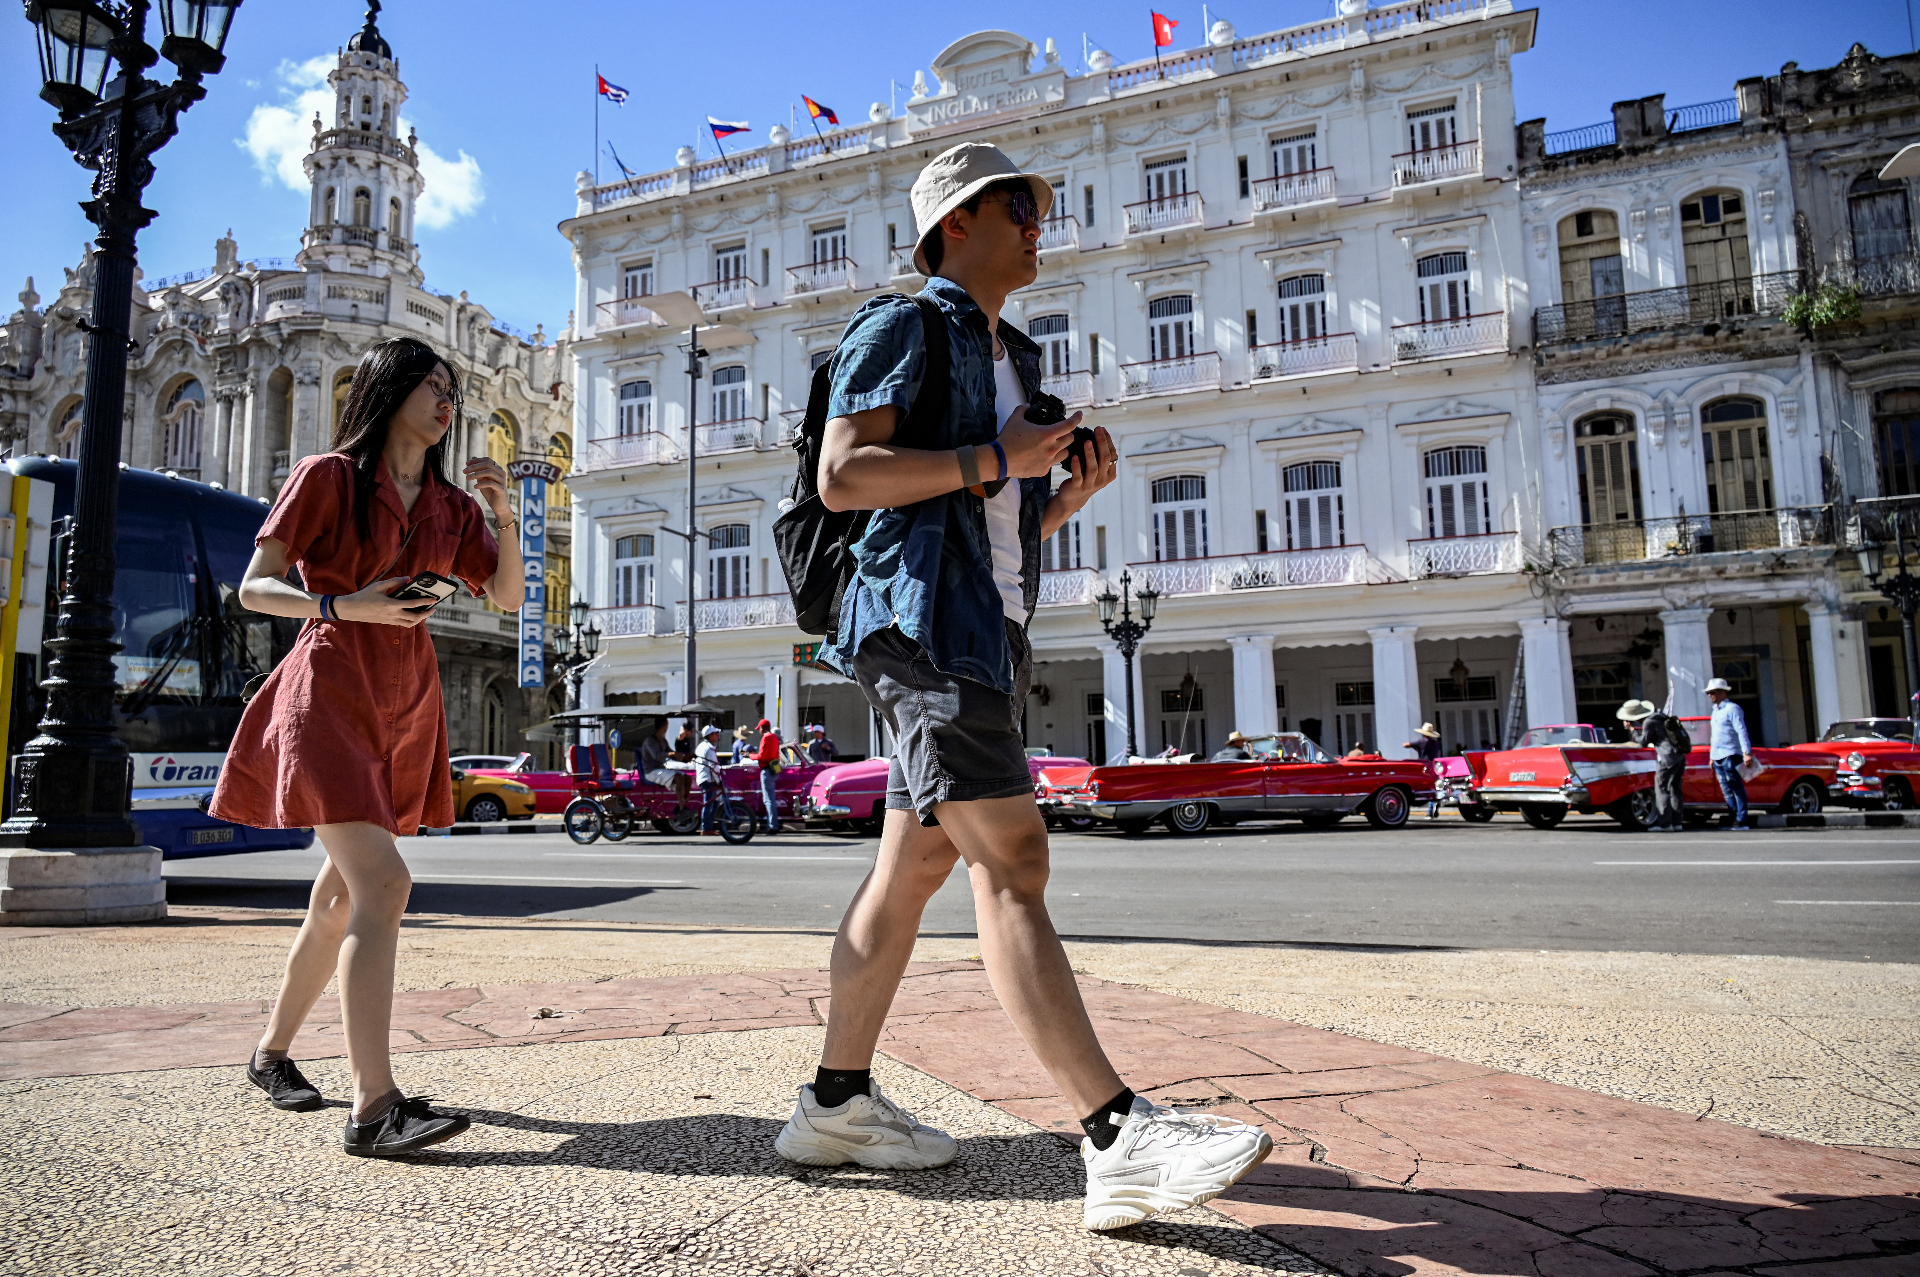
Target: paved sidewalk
597	1153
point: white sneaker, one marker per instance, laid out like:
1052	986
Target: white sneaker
870	1130
1165	1161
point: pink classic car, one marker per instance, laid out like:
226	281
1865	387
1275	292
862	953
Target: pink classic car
852	796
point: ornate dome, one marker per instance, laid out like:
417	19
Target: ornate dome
368	38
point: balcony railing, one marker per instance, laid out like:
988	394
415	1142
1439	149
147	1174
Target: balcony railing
1878	519
1292	190
1659	309
631	622
1464	556
729	436
627	312
1437	164
738	614
1069	585
1074	389
356	235
1059	232
1149	217
726	294
367	140
1637	540
1335	352
821	277
1894	275
900	262
1450	338
651	447
1225	574
1177	376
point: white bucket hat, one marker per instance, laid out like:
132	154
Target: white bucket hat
1717	685
1634	711
955	176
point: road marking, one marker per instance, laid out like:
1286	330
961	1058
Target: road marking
1847	902
526	878
664	855
1757	862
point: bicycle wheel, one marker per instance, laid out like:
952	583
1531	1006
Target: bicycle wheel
582	820
738	822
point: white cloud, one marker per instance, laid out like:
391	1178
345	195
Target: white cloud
279	137
453	187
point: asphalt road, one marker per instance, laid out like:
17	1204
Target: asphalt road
1587	885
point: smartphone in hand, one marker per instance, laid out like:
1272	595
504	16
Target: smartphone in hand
429	586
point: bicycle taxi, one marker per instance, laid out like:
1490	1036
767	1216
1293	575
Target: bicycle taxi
610	801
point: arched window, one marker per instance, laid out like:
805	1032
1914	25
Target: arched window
1458	504
636	408
633	570
363	207
1592	279
327	209
503	443
366	105
393	220
342	383
729	393
181	421
1733	446
1056	347
1877	215
1443	287
493	722
730	562
1607	457
386	117
1316	505
1180	517
65	436
1713	235
1303	308
1170	327
1896	438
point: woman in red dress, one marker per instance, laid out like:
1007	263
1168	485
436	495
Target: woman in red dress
349	734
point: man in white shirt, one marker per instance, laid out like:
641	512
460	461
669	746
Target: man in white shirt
706	770
1730	749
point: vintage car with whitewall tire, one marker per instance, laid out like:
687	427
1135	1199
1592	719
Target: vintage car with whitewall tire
1544	782
1879	761
852	797
1285	777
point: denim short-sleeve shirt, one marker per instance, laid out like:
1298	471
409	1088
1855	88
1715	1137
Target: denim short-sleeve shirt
928	567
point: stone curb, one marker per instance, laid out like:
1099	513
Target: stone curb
496	827
1842	820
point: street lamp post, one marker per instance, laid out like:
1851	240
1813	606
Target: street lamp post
1128	632
1902	589
72	782
576	650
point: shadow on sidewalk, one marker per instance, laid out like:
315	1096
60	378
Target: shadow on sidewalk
471	900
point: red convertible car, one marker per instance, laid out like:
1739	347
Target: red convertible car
852	796
1286	776
1879	761
1544	782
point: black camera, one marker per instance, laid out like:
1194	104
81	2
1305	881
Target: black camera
1083	448
1046	410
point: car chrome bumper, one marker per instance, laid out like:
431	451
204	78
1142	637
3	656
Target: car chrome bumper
826	811
1550	797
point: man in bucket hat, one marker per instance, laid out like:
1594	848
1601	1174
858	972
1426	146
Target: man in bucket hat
1730	749
1649	726
933	628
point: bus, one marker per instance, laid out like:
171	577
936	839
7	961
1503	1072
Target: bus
188	648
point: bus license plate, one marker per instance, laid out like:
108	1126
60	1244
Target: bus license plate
203	836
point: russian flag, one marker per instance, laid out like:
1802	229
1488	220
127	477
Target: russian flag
817	111
612	92
723	128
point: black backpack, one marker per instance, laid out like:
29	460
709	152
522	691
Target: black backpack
815	544
1677	735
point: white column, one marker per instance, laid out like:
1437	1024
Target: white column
1547	669
676	695
222	434
1113	670
782	700
1840	683
1254	712
1396	686
1689	658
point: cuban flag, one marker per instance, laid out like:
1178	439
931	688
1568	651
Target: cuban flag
1162	30
723	128
610	91
816	111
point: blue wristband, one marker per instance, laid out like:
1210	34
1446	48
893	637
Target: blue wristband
326	608
1001	453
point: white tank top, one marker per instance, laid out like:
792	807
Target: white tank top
1003	510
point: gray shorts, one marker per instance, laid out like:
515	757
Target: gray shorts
955	740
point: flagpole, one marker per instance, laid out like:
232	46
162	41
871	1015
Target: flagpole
596	124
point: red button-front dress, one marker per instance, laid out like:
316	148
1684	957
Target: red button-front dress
351	726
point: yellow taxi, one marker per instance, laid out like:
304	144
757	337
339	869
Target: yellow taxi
489	798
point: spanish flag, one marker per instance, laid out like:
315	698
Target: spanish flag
816	111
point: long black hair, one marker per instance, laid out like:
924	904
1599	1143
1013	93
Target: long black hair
388	373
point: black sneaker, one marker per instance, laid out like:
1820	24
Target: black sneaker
407	1127
286	1086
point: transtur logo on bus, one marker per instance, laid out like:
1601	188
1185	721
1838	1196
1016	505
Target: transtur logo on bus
169	769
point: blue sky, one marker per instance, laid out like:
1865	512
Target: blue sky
502	97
